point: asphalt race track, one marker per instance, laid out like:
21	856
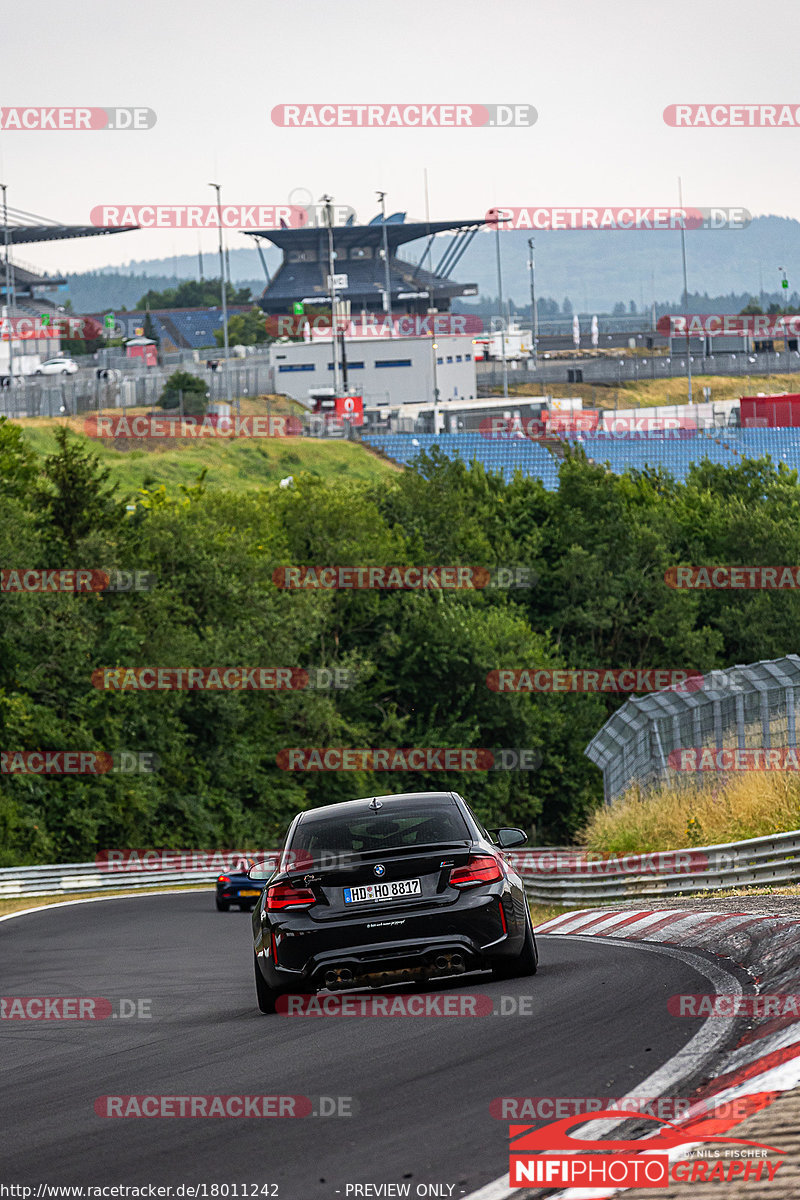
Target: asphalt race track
420	1086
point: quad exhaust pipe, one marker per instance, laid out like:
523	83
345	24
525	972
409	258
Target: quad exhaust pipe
443	964
338	977
451	964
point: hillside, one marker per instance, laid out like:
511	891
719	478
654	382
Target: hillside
237	465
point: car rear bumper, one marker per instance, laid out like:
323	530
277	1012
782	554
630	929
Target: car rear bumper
304	952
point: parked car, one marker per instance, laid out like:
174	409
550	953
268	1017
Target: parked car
57	366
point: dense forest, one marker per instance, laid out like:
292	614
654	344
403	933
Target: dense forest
598	549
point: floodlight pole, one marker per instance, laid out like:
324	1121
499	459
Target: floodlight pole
327	201
500	302
224	289
388	275
534	314
685	291
9	289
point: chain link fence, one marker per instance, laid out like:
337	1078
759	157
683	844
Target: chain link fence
743	708
613	370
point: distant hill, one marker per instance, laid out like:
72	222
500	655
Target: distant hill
594	269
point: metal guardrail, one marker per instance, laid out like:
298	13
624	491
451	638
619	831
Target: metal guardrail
764	860
66	878
761	860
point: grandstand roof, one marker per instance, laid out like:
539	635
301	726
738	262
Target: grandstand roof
361	235
24	279
366	276
29	227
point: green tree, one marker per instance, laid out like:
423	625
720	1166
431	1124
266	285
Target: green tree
73	497
245	329
194	391
17	461
192	293
150	329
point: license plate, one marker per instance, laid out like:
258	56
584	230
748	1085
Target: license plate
382	891
245	892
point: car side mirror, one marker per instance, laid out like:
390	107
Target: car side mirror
260	872
507	838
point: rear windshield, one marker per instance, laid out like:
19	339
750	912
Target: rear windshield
417	826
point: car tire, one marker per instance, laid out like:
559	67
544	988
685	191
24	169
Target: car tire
38	372
222	905
65	372
526	962
266	996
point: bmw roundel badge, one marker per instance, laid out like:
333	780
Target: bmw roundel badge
380	869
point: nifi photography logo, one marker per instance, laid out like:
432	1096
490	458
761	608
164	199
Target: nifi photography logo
550	1156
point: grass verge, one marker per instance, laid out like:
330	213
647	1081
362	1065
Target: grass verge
234	464
11	904
759	804
645	393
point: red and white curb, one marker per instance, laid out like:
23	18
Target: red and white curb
765	1062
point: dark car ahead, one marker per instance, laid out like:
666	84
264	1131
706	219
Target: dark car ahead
387	890
236	887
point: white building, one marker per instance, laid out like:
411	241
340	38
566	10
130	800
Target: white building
383	370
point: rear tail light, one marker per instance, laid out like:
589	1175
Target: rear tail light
483	868
223	879
283	895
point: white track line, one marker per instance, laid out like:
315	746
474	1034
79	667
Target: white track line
697	1050
24	912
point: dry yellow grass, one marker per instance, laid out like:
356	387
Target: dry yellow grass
644	393
675	816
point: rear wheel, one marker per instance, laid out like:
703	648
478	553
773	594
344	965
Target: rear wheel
265	995
526	963
222	905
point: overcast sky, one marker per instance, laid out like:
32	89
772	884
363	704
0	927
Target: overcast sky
599	75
